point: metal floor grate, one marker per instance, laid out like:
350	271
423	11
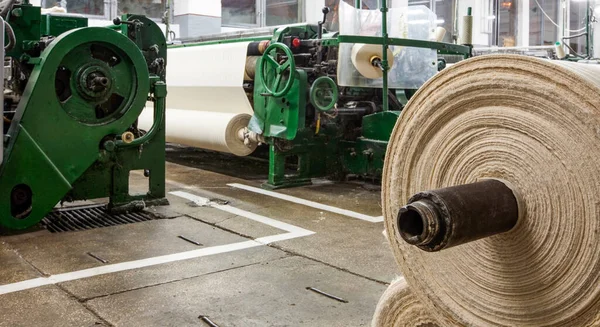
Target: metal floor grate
89	217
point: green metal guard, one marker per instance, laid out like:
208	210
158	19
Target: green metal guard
86	89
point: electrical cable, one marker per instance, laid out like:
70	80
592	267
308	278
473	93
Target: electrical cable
12	39
554	23
575	53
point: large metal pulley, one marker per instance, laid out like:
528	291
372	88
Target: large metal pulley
96	82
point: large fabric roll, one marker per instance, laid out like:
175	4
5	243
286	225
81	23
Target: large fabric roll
208	78
536	125
398	307
215	131
207	105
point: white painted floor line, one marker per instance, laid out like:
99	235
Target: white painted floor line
320	206
292	232
239	212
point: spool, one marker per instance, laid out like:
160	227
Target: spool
127	137
534	124
560	51
466	33
364	57
438	34
399	307
215	131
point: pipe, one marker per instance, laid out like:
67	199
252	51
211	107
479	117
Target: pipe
159	115
12	39
447	217
531	47
384	62
257	48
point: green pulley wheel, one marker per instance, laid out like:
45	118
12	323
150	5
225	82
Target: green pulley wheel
269	61
96	82
324	93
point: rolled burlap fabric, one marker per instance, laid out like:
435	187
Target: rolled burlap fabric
536	125
398	307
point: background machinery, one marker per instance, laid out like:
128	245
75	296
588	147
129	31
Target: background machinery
72	97
320	100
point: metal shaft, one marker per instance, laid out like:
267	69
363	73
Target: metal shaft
439	219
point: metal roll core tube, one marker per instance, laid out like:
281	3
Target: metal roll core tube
447	217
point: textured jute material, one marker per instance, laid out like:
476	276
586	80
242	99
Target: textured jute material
398	307
535	124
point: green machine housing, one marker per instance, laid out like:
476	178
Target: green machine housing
310	123
72	97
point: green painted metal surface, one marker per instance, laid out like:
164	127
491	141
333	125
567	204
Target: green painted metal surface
85	90
442	48
57	25
279	117
379	126
26	22
301	149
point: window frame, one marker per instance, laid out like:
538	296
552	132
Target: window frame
111	10
258	14
261	15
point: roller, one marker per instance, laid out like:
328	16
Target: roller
516	138
217	131
250	69
466	33
398	307
438	34
366	58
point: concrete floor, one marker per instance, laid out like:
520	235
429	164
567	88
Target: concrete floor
257	285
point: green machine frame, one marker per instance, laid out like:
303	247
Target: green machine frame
279	116
282	93
74	132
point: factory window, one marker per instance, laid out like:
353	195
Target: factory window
507	22
577	27
281	12
106	8
249	13
85	7
426	3
332	23
543	22
150	8
445	18
238	12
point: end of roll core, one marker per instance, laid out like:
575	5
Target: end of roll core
418	222
447	217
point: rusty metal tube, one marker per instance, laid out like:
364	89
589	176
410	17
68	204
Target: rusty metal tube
447	217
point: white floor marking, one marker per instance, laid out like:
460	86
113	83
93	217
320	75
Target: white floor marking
292	232
320	206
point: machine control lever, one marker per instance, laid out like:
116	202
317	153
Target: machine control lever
321	23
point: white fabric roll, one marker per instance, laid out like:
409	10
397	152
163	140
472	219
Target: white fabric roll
206	103
215	131
361	56
208	78
438	34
